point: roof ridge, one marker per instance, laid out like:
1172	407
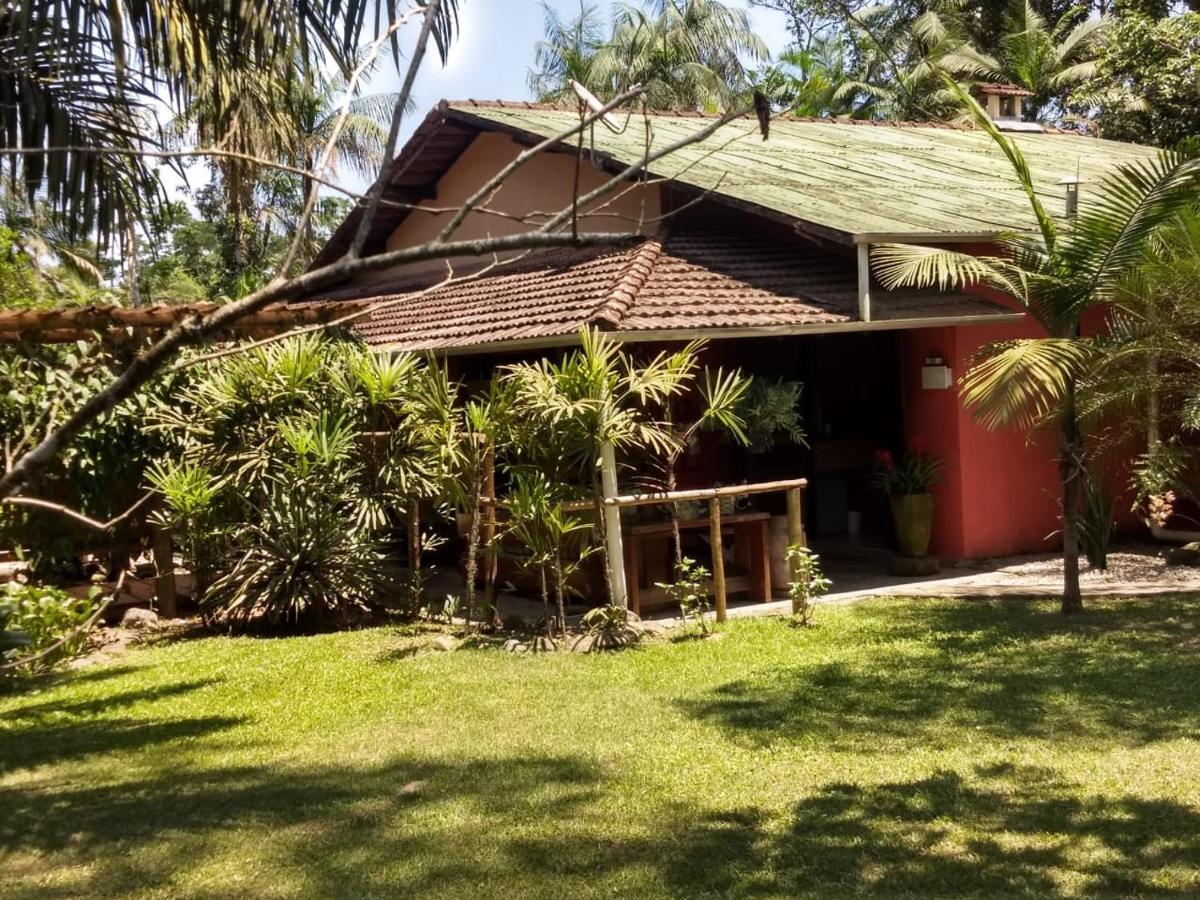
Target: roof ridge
629	283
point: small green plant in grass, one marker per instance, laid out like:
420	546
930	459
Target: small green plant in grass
42	626
690	591
609	628
807	584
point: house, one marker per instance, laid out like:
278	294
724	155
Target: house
762	247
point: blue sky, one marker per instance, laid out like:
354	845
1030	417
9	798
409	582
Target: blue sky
491	59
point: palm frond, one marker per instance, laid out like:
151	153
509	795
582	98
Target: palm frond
1019	383
912	265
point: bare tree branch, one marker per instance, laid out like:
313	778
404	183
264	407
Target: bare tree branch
376	192
75	514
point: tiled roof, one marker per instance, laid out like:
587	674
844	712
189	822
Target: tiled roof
1002	90
697	280
851	179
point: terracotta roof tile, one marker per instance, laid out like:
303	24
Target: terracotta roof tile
696	280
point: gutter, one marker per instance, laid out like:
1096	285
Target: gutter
689	334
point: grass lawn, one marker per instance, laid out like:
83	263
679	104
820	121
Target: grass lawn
900	748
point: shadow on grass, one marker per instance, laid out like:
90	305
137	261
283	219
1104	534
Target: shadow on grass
1008	831
533	826
45	733
1010	668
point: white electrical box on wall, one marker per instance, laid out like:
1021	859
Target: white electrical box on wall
936	377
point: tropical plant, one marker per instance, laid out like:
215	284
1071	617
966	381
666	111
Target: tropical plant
1057	274
1048	60
291	120
901	60
770	410
42	626
298	562
808	583
554	540
915	472
92	75
292	466
1146	87
720	396
805	82
100	473
1096	519
686	54
690	592
568	410
566	52
609	628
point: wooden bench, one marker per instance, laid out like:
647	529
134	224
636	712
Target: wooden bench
752	552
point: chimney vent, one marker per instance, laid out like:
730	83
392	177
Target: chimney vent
1071	183
1005	105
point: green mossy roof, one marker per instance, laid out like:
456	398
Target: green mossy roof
861	179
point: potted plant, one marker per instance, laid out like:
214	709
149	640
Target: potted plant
906	482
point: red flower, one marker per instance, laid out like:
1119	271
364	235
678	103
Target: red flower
917	446
884	459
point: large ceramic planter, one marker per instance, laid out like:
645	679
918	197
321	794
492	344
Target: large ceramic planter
913	517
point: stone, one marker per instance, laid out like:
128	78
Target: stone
1187	555
914	566
445	643
511	645
585	644
543	644
135	617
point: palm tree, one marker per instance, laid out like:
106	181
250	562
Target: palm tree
900	65
687	54
84	74
1145	385
316	110
565	53
288	121
806	81
1058	275
1047	60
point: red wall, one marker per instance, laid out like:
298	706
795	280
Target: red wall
999	493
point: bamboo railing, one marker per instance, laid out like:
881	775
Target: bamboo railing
792	487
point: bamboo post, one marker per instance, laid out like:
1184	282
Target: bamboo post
164	581
795	524
612	526
714	532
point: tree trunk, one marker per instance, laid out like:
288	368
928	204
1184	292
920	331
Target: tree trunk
545	602
309	188
560	596
473	546
1070	473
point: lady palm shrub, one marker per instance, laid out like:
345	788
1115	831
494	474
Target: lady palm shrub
291	463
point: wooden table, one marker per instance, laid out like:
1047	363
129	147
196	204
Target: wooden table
752	552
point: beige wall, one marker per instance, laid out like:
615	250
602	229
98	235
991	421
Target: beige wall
544	183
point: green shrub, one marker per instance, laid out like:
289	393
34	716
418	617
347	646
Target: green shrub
295	464
807	584
609	628
690	591
42	624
